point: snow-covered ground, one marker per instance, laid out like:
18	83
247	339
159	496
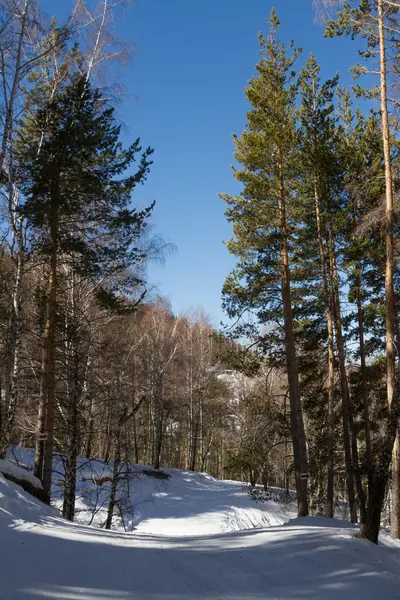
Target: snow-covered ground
185	504
13	470
196	538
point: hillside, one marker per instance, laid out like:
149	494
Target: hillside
196	538
186	503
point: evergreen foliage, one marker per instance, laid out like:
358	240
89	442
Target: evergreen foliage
72	169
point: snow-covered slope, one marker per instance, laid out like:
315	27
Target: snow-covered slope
17	505
43	556
186	503
197	504
16	472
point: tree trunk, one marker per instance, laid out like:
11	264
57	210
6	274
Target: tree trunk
389	269
296	415
253	477
73	397
114	483
364	390
106	450
349	437
159	417
343	380
9	116
331	357
49	349
370	529
15	342
201	433
191	403
264	474
70	462
41	425
193	456
89	442
135	440
158	440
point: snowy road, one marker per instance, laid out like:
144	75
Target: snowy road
43	556
58	560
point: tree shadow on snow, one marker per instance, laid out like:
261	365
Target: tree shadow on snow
55	559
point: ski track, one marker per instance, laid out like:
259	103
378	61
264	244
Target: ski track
238	551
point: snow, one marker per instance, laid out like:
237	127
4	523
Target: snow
185	504
196	538
17	505
9	468
197	504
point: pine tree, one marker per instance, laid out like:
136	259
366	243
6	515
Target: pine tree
361	142
316	132
322	180
375	21
77	205
364	262
262	219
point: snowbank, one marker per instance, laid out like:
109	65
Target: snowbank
16	505
16	472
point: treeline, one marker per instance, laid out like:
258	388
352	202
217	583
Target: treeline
143	387
315	236
71	232
90	364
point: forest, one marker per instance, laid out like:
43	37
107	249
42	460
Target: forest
300	389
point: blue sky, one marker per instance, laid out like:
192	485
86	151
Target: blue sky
192	62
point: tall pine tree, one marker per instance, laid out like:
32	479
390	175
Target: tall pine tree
377	22
262	219
77	204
